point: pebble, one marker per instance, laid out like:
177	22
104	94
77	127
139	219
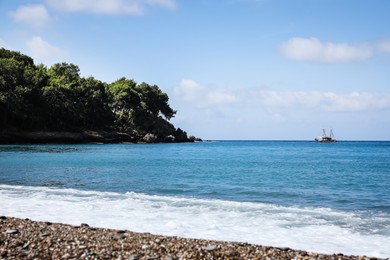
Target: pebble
67	242
11	231
118	236
26	245
210	248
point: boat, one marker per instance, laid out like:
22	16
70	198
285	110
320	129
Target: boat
326	138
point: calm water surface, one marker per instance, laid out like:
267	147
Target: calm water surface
344	175
315	185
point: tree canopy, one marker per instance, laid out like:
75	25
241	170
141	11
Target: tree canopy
34	97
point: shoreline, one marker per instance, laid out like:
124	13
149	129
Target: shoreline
84	137
28	239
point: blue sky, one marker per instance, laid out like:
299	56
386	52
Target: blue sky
234	69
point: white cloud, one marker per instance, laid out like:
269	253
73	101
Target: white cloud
266	114
200	96
312	49
221	96
188	90
279	102
384	46
35	16
43	51
325	101
134	7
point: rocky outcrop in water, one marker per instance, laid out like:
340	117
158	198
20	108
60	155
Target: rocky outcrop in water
41	137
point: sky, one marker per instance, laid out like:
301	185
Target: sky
233	69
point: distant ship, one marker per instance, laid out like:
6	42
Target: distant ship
325	138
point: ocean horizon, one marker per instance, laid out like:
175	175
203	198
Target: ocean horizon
322	197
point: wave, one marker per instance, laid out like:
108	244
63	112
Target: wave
322	230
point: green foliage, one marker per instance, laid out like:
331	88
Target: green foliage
33	97
95	108
20	82
155	101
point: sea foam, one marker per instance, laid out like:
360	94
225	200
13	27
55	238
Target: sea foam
314	229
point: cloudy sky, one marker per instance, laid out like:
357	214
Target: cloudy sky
234	69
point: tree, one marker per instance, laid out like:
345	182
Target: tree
62	101
64	75
33	97
126	102
124	95
20	82
155	101
95	109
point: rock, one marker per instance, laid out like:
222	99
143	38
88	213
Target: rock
210	248
26	245
233	253
166	131
169	139
149	138
191	138
84	225
65	241
118	236
11	231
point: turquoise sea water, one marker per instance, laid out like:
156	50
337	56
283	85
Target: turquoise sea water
253	191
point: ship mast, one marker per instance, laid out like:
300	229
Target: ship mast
323	133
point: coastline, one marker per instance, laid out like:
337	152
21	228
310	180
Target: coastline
24	238
52	137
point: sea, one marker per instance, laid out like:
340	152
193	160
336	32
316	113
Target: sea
321	197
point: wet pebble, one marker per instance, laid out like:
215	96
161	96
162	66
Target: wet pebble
118	236
210	248
33	241
11	231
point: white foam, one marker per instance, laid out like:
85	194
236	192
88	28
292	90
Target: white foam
313	229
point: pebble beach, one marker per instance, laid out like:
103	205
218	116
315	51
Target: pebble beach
27	239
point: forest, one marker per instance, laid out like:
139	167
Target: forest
57	99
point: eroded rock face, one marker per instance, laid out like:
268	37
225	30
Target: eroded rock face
170	139
149	138
192	138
